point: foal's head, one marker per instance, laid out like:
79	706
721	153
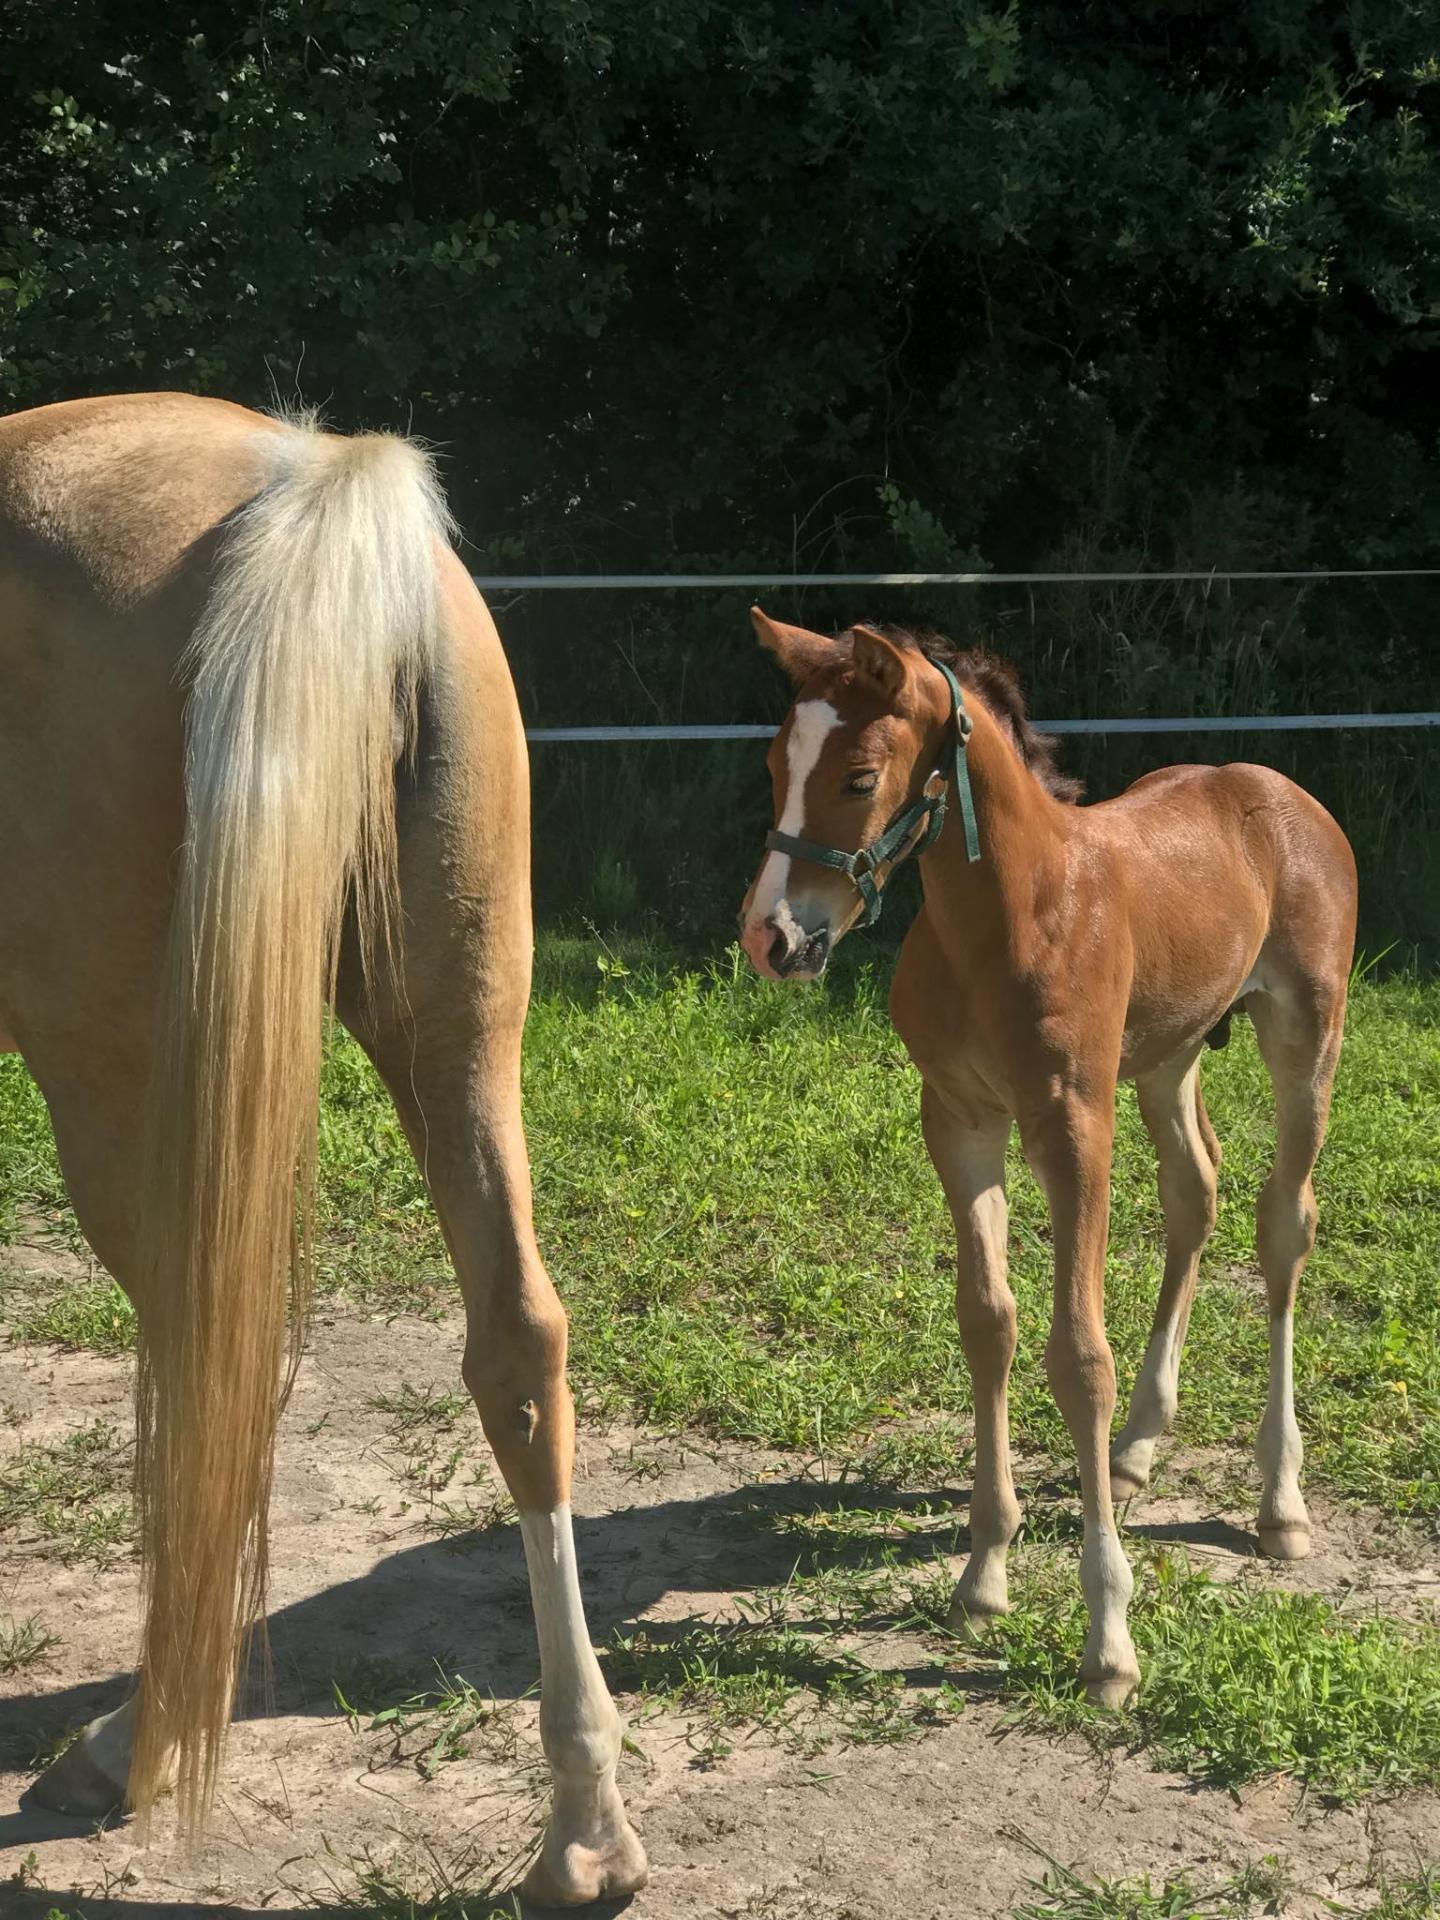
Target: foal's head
862	742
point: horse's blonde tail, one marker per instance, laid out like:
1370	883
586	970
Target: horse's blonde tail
303	673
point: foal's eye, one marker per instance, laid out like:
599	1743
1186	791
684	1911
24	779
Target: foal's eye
862	783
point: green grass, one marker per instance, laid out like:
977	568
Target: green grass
1239	1682
420	1885
805	1690
1411	1896
29	1170
94	1316
71	1496
413	1409
429	1455
24	1644
734	1198
736	1203
430	1729
1063	1894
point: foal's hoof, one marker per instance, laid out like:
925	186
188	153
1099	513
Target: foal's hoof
574	1875
1126	1482
1285	1542
972	1619
74	1784
1114	1687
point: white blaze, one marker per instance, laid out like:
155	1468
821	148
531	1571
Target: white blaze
814	719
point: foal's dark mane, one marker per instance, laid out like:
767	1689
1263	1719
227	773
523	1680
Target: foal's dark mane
998	685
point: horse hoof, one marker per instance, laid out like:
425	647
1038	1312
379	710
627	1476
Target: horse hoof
1114	1688
575	1875
1126	1482
1285	1542
74	1784
973	1619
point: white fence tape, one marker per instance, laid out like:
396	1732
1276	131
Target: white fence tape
1220	723
652	582
1212	723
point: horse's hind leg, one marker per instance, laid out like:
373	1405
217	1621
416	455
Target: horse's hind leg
1298	1030
448	1046
458	1094
93	1099
1188	1156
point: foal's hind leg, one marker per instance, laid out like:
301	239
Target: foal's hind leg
1188	1156
1299	1035
969	1154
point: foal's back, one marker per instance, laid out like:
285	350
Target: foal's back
1271	821
1233	880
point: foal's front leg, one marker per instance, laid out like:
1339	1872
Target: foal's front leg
968	1149
1069	1146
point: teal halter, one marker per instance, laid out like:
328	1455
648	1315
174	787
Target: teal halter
915	830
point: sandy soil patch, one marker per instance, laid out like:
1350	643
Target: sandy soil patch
384	1565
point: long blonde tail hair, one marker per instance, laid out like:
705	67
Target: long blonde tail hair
303	674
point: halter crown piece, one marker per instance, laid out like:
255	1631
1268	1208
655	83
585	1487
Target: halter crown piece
914	830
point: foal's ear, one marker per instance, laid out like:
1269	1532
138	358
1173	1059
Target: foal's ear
799	651
879	659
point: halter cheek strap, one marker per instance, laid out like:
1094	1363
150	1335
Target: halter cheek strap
914	830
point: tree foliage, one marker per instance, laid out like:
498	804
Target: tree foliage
681	280
823	284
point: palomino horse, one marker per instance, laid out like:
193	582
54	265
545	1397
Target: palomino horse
258	743
1059	950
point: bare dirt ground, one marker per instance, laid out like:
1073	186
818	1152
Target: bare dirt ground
365	1591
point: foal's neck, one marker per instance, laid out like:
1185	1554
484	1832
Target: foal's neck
1023	834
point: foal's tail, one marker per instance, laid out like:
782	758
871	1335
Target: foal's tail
303	673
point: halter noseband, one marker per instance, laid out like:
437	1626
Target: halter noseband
914	830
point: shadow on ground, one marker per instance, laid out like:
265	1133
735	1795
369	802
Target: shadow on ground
475	1620
36	1904
464	1604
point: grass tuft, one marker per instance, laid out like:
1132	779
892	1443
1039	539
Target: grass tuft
430	1455
1064	1894
95	1317
1238	1682
421	1408
72	1495
1409	1896
417	1885
432	1729
24	1643
804	1689
934	1454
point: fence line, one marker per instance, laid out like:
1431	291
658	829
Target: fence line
627	582
1240	723
1212	723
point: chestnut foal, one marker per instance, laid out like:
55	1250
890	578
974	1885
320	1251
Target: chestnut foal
1059	950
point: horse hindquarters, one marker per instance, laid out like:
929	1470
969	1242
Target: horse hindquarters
445	1034
168	1003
